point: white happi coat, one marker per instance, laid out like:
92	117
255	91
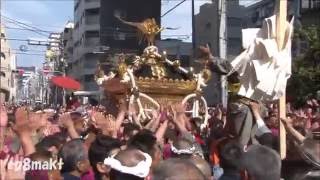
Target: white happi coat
263	69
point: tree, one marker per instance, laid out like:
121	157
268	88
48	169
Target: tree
305	80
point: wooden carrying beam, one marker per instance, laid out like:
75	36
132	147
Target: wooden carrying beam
281	14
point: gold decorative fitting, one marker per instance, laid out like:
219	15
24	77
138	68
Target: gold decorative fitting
206	74
159	86
147	30
166	86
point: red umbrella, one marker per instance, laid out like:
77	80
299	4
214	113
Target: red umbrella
66	82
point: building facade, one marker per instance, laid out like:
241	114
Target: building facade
207	26
310	12
26	84
67	43
7	70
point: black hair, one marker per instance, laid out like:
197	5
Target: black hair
144	141
71	153
262	163
231	155
56	140
40	155
129	129
116	175
100	149
216	131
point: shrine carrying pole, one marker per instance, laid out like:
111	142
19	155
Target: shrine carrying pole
281	14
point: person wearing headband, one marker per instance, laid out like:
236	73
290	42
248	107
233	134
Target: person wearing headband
101	148
129	164
146	142
183	148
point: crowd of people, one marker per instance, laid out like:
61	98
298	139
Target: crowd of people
96	144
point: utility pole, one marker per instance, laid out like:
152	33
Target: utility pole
223	47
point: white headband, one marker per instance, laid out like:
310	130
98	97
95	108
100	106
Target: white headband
141	169
182	151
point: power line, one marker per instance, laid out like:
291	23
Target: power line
26	40
23	25
30	54
25	29
35	31
174	7
29	50
22	53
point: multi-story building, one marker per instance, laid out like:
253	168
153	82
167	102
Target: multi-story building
207	26
86	38
310	12
67	43
98	36
257	12
25	83
7	70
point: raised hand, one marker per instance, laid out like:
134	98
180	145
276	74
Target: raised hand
205	50
255	106
287	122
3	116
107	124
66	121
22	124
123	106
21	115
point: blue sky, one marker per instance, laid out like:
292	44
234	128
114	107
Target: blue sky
43	14
52	15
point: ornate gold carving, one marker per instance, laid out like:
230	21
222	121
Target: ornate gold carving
166	86
147	30
206	74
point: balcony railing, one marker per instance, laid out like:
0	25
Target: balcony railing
91	19
94	41
91	4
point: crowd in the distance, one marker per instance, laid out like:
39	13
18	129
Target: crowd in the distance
96	144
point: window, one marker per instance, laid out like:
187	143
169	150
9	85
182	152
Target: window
2	55
90	34
77	25
91	12
208	25
2	74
